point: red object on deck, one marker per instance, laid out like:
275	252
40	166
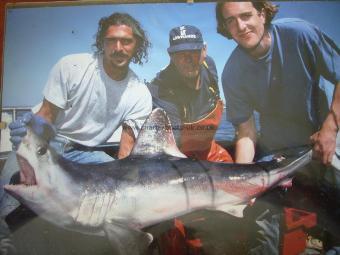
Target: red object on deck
176	241
294	238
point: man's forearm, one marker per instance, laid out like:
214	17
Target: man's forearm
244	150
332	121
127	141
48	111
335	106
324	141
245	141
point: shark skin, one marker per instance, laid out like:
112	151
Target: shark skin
155	183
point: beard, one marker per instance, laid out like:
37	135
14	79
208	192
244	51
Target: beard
192	73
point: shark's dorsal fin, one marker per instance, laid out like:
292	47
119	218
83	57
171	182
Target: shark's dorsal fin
156	137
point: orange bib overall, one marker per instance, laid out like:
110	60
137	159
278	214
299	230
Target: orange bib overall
197	138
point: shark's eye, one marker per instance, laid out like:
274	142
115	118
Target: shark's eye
42	150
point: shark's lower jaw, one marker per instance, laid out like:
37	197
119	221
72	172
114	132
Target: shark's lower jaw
22	192
27	175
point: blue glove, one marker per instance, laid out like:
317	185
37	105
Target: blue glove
18	129
39	125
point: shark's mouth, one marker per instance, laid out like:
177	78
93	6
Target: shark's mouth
27	175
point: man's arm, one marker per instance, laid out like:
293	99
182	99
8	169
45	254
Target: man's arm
325	139
48	111
127	140
245	141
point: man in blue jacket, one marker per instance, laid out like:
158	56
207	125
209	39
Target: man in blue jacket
187	89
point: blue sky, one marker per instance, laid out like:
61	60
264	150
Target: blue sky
37	37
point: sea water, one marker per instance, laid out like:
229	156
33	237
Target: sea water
226	130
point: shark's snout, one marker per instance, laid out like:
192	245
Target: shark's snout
27	175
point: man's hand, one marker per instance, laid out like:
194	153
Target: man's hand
40	126
324	142
18	129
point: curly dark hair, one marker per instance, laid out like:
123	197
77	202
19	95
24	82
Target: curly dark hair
117	18
269	8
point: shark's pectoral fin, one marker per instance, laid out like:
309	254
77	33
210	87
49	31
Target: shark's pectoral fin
126	240
235	210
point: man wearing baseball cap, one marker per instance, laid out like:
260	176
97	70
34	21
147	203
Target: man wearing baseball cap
187	90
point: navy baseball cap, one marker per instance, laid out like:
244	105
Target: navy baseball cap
185	37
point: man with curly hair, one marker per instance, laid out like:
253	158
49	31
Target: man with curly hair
88	96
276	70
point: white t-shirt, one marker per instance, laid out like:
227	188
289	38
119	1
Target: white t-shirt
93	105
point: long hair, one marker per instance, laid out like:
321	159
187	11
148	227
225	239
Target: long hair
117	18
269	9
